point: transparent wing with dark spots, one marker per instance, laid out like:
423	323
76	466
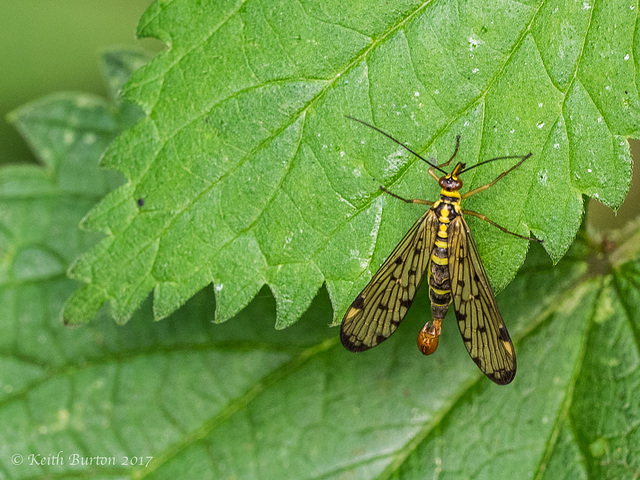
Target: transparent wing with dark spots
481	326
380	307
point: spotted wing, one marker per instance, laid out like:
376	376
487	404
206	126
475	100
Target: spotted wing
483	331
380	307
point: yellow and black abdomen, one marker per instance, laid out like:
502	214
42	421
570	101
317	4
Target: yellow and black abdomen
445	210
439	282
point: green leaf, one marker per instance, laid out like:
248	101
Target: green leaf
250	174
242	400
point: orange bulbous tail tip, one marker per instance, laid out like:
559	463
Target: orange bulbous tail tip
428	336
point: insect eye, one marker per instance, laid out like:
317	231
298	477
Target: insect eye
450	183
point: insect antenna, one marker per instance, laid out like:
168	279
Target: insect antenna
397	141
522	159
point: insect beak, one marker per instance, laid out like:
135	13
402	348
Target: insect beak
458	170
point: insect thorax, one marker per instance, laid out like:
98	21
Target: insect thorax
450	200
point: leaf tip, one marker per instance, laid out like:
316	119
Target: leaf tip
82	305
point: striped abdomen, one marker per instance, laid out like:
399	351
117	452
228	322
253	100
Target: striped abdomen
439	283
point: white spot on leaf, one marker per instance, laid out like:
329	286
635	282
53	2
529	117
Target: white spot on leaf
394	161
543	177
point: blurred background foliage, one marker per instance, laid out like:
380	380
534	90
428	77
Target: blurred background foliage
48	47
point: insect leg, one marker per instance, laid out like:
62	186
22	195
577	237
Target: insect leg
490	184
483	217
455	152
407	200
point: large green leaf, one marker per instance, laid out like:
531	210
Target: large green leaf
190	399
245	171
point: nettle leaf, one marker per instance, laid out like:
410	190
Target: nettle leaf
245	171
